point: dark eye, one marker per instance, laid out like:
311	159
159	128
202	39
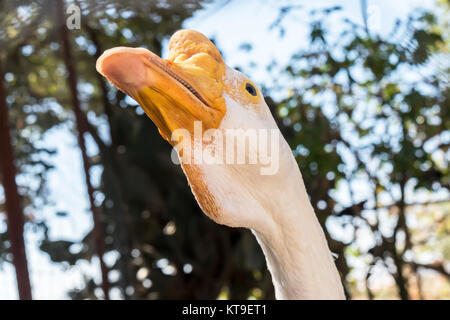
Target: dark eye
251	89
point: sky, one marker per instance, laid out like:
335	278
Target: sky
231	25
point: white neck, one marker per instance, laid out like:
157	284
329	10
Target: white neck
277	209
296	250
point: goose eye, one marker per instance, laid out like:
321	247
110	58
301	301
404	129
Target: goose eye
251	89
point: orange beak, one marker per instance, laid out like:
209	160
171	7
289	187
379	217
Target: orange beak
175	92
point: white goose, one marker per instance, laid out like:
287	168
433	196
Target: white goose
194	84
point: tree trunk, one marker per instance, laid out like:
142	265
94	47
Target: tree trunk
125	229
81	128
400	279
13	207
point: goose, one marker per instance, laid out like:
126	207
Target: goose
197	102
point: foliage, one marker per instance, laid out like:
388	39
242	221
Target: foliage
366	116
145	198
371	113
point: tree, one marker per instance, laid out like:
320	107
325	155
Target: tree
144	198
12	200
375	129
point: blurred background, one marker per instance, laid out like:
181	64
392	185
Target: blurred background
359	88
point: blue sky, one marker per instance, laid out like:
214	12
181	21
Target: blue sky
236	23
